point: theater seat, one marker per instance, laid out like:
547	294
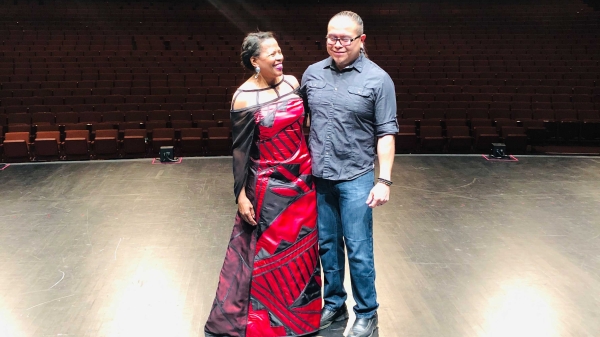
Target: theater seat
406	139
76	145
162	137
459	138
17	146
106	143
134	142
485	136
191	141
432	139
219	141
515	139
47	145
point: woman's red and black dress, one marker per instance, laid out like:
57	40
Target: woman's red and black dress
270	283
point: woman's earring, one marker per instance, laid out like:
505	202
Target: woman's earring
257	69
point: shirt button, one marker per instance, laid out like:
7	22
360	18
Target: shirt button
335	89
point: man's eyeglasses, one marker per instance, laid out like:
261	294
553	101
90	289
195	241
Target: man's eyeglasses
344	41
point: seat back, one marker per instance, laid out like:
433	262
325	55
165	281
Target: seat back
431	131
135	133
457	131
512	130
407	129
191	133
17	136
78	134
485	130
48	134
107	133
163	133
218	132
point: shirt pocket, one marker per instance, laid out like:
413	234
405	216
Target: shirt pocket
360	100
315	92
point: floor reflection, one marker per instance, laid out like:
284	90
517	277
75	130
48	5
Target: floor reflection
521	310
150	305
8	325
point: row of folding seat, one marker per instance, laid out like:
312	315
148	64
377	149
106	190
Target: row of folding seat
77	89
121	127
495	82
538	132
494	114
117	87
225	105
113	107
495	75
8	100
125	71
541	43
61	118
151	79
10	75
431	33
106	143
421	31
496	105
499	97
225	67
238	75
470	62
289	46
70	66
492	89
215	100
459	139
96	91
405	58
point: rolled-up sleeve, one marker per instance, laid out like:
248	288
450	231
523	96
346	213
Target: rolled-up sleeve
385	109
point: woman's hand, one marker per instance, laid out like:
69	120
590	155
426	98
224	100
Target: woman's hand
246	209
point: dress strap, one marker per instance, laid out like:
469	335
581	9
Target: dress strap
263	89
271	87
288	83
237	92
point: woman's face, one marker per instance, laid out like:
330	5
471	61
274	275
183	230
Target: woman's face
270	59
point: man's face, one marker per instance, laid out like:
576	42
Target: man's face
343	27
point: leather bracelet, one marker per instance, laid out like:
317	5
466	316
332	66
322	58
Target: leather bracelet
384	181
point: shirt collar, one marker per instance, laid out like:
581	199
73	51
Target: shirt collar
357	64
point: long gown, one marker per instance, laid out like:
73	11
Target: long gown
270	283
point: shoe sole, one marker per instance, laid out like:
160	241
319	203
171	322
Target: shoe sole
373	332
339	319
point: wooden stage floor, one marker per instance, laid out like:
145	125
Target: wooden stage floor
465	247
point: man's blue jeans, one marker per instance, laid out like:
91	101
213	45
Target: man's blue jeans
344	216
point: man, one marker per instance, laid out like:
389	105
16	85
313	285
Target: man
352	103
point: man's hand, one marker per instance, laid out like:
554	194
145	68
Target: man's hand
380	194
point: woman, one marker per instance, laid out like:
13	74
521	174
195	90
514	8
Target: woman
270	283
